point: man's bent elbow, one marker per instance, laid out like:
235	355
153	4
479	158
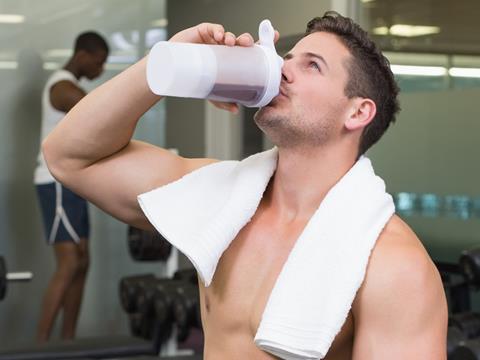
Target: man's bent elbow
54	160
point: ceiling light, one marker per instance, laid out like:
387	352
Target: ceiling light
159	23
419	70
464	72
59	53
11	18
8	64
381	30
367	1
413	30
48	65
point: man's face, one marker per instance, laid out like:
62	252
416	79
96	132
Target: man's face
92	64
311	107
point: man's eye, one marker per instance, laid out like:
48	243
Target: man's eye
314	65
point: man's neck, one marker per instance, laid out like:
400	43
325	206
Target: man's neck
73	68
303	178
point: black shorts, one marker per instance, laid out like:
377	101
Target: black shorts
64	213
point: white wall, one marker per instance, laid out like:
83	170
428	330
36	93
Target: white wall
433	149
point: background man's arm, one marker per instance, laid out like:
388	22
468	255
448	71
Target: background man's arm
64	95
91	151
400	311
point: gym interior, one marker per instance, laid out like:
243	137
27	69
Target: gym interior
428	161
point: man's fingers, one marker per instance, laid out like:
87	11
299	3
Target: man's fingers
229	38
211	33
245	40
276	36
232	107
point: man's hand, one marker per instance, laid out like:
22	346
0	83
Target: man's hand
215	34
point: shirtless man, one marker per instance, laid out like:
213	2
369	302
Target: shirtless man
337	98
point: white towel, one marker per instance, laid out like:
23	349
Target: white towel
202	213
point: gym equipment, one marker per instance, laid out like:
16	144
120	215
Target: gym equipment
145	245
145	306
470	265
128	290
6	277
159	304
187	310
148	302
139	326
467	350
165	295
105	347
177	357
468	323
454	338
187	275
457	288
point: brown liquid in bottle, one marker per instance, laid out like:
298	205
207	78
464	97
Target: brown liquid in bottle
235	93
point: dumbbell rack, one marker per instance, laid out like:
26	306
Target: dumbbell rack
170	348
6	277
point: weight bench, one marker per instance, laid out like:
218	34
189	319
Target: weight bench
84	348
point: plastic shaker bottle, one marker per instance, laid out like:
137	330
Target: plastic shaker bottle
246	75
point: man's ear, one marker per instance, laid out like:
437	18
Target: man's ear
362	112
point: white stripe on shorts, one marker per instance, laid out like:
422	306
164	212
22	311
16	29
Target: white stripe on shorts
60	215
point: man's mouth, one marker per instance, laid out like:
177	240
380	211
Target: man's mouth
281	94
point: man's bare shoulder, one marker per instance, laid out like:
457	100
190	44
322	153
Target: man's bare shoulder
401	300
399	259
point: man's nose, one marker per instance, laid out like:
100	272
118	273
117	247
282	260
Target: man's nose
287	72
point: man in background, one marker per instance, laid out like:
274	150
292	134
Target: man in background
65	214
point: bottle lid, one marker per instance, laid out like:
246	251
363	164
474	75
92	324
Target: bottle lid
266	34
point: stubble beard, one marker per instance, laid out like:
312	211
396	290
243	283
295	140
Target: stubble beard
293	130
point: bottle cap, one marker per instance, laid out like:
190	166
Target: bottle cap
266	34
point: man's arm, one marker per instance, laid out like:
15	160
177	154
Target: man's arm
64	95
400	311
91	150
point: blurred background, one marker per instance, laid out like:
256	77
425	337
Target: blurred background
428	158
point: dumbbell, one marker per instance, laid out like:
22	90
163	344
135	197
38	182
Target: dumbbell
455	337
187	275
6	277
456	285
141	326
165	297
145	245
155	304
128	289
467	350
468	323
136	322
139	304
470	263
186	310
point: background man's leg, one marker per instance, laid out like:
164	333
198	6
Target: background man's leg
74	294
66	254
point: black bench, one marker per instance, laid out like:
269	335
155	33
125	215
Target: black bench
84	348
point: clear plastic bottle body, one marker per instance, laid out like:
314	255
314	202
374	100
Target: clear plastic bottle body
241	74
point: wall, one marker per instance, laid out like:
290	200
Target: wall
432	149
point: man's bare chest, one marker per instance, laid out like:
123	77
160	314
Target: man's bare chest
248	269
